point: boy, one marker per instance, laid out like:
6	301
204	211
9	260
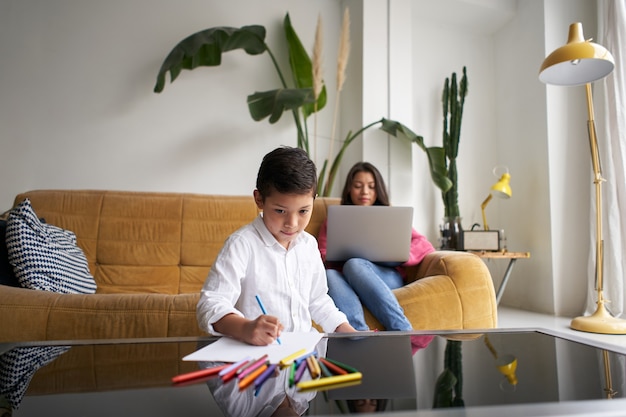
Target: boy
274	258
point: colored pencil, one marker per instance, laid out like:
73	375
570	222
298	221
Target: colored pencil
265	376
329	381
331	386
303	357
292	374
230	375
334	368
234	366
314	367
249	379
325	372
300	371
198	374
287	360
254	365
342	365
258	300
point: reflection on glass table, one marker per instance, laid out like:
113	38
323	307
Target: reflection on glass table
134	377
17	368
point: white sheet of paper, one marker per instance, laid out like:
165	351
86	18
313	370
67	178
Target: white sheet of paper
227	349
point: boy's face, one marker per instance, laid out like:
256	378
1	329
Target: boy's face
285	215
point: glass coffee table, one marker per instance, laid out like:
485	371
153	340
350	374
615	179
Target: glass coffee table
502	373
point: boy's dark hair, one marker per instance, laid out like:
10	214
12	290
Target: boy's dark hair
382	198
287	170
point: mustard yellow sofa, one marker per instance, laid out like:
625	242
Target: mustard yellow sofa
150	253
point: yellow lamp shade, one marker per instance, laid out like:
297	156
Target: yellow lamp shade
507	365
577	62
502	188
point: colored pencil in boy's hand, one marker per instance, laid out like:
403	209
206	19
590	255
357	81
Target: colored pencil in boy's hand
258	300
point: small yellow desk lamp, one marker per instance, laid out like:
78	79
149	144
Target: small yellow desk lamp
506	365
501	189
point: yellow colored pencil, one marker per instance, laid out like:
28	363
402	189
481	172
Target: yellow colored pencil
332	386
329	380
288	359
314	368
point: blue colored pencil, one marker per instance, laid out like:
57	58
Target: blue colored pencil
258	300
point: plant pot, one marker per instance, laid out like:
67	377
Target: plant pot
451	237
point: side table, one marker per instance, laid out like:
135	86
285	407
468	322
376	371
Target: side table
511	256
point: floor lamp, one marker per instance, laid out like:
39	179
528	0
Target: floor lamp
581	62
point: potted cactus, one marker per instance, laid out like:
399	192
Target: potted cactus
453	100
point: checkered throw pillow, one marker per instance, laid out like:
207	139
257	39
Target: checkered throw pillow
45	257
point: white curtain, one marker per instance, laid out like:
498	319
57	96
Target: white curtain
611	128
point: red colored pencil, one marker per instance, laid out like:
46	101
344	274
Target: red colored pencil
197	374
333	367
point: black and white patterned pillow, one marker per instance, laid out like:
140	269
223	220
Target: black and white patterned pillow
45	257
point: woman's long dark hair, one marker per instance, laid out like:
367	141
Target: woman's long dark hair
382	198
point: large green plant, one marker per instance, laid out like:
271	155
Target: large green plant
205	48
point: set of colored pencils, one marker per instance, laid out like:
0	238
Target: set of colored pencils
328	374
325	373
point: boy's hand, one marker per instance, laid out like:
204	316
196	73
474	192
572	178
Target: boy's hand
345	328
263	330
260	332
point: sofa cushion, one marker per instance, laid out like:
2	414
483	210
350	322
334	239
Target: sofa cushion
45	257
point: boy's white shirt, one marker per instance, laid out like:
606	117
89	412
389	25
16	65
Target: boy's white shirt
291	283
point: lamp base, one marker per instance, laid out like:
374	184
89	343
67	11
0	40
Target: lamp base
599	322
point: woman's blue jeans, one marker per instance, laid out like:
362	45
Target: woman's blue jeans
364	283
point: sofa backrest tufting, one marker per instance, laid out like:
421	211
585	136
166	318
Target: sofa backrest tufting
150	242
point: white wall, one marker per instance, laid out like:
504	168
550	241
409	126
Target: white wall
547	139
570	171
523	142
77	110
443	45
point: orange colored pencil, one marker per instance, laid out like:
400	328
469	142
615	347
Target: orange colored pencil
243	384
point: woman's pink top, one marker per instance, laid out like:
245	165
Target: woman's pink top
420	247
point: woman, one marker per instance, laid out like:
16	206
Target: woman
358	281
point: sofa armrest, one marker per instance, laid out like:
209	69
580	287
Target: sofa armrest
452	263
449	290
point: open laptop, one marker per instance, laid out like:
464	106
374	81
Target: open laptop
376	233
